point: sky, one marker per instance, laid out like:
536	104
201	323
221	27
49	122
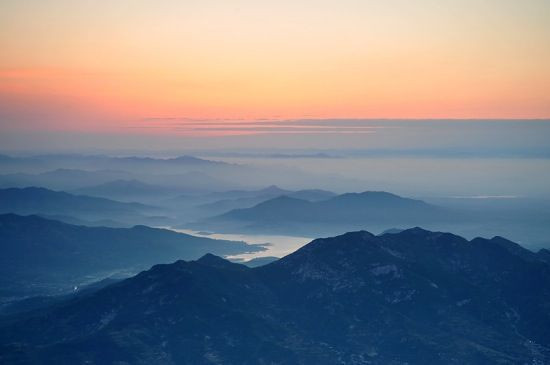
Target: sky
246	67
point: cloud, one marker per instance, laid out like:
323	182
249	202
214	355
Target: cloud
191	126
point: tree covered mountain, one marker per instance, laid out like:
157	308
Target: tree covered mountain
413	297
42	256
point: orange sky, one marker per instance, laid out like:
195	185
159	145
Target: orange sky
109	66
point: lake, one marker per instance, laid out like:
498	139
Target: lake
276	245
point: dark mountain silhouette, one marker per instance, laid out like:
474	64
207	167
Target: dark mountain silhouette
350	207
347	211
31	199
31	303
43	256
249	199
414	297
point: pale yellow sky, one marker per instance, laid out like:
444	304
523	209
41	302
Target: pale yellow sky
90	65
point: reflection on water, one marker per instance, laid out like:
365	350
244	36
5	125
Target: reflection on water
275	245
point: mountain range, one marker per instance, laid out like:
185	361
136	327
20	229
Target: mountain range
42	256
413	297
41	201
287	214
248	199
117	184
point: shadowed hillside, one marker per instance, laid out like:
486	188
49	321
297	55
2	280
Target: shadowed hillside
414	297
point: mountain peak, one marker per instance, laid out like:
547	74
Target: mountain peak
416	231
218	262
412	297
273	189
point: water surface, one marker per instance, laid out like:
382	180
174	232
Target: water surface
276	245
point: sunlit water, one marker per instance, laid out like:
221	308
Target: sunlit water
277	246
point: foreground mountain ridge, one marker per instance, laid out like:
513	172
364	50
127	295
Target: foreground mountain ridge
413	297
41	256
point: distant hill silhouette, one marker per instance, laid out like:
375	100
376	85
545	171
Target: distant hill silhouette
248	199
33	200
128	189
62	178
350	207
344	211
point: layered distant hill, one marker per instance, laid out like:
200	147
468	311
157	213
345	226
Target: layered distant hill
289	214
413	297
197	175
249	199
190	207
120	185
172	176
62	178
133	190
42	256
67	206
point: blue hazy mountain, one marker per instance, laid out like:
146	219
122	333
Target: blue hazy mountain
413	297
248	199
350	207
190	207
43	256
347	211
33	200
133	189
74	161
62	178
117	184
75	171
544	254
272	190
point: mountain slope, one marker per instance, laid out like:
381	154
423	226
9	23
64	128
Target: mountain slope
33	200
350	207
286	214
43	256
226	205
414	297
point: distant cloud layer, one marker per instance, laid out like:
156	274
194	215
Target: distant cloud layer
381	137
222	127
